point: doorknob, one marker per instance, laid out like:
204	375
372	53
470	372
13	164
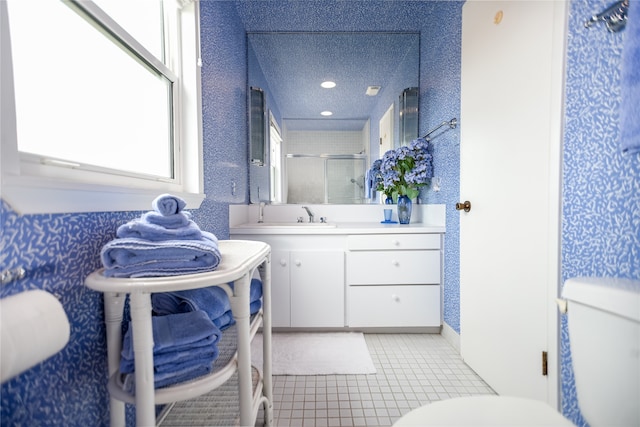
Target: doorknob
466	206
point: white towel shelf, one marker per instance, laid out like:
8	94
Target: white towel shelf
239	261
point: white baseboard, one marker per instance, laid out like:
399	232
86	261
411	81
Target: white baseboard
451	336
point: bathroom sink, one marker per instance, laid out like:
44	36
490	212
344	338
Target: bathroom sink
287	225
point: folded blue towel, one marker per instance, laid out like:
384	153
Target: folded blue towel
255	306
185	347
630	83
212	300
167	204
255	289
131	257
225	320
175	360
169	378
177	332
197	359
181	219
141	228
163	379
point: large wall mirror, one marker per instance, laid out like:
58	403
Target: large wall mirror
328	136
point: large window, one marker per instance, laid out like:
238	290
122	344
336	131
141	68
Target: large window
102	111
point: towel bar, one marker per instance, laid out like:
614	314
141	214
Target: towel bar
451	123
11	274
614	17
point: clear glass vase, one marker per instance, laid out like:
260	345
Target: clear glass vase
404	209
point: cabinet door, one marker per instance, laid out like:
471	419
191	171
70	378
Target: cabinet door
280	290
317	289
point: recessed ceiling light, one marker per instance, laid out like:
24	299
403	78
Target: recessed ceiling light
373	90
328	84
326	113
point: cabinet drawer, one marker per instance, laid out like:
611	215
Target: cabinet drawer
393	241
393	267
394	306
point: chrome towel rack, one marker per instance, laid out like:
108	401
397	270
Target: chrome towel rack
451	123
614	17
11	274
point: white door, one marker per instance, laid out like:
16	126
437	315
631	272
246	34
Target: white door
511	92
386	131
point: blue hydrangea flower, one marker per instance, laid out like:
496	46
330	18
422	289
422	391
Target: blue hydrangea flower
401	172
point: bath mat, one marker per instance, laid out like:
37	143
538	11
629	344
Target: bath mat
315	353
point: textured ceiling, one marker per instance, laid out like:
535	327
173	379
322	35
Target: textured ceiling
294	65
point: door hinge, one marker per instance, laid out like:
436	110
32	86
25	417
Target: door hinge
544	363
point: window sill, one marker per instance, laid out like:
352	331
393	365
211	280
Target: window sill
33	195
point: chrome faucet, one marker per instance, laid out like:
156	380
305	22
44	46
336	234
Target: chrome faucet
308	213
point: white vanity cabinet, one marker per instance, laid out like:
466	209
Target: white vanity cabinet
393	280
307	280
354	273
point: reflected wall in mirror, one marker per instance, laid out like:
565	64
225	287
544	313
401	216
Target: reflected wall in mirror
324	158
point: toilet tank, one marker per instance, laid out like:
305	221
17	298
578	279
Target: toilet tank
604	334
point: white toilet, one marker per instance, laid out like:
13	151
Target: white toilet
604	334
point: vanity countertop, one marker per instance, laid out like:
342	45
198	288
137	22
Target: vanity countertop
334	228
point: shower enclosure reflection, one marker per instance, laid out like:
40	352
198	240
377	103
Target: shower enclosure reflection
331	178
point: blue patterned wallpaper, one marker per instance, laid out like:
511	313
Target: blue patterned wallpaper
224	111
224	100
58	252
601	186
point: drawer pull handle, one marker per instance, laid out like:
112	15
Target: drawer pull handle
395	262
283	262
395	297
396	243
298	263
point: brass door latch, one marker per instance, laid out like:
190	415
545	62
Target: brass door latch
466	206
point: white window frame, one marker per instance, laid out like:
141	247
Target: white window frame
49	186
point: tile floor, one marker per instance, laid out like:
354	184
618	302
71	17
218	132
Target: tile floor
411	370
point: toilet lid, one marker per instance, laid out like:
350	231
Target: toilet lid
484	411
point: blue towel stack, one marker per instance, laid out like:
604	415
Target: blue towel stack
185	345
212	300
162	242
